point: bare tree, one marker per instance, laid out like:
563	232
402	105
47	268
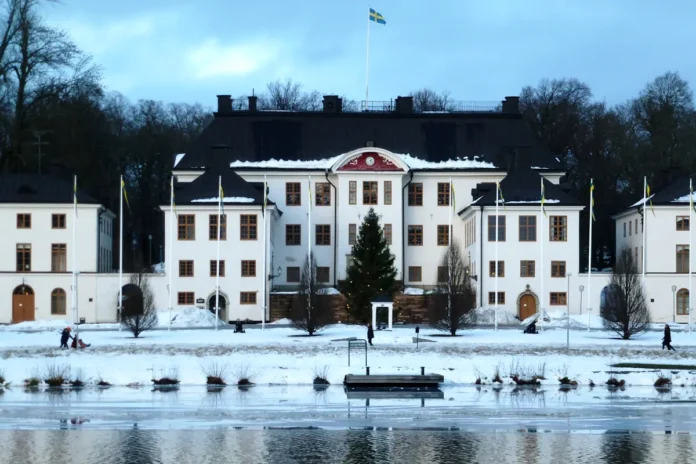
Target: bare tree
429	100
454	298
139	313
310	311
625	310
289	96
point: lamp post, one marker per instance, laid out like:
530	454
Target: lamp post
674	303
149	239
581	288
568	275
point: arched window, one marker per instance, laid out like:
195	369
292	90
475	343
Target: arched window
682	302
58	301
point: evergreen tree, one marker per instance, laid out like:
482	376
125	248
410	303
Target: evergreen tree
372	271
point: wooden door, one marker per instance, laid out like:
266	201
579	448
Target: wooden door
527	306
22	308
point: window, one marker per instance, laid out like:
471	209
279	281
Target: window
23	257
388	233
442	235
293	274
352	192
527	269
387	192
184	298
442	274
558	298
352	233
58	301
630	228
527	228
682	302
187	227
213	268
293	195
501	269
58	221
624	230
370	193
247	227
682	258
213	229
24	221
415	194
322	274
415	235
636	229
247	298
492	228
491	298
443	194
248	268
323	197
293	234
185	268
682	223
323	234
415	274
558	268
59	257
558	228
636	256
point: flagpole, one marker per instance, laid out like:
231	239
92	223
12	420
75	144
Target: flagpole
541	251
449	254
645	223
309	220
171	252
497	239
589	259
74	262
120	256
691	210
367	61
265	276
217	267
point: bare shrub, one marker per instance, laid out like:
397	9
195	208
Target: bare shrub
139	313
479	376
2	377
34	379
215	373
496	373
77	380
243	375
563	379
526	374
171	377
663	381
310	311
614	382
321	375
56	374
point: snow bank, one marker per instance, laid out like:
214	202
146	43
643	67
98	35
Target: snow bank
188	317
459	163
525	202
414	291
487	316
281	322
326	163
178	158
328	291
685	198
158	268
224	200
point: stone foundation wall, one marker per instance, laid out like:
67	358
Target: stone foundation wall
410	309
281	303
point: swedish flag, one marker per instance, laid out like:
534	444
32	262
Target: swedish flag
376	17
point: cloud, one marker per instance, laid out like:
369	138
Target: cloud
214	59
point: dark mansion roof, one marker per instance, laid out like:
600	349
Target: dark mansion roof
205	187
39	188
675	194
502	138
522	188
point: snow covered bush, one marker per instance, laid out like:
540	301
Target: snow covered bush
663	381
138	313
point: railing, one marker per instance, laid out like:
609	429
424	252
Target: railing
388	106
377	106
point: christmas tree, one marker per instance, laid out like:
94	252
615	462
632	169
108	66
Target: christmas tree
372	271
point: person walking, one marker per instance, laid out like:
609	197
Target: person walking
370	333
64	337
667	339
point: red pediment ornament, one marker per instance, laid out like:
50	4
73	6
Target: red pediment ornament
370	161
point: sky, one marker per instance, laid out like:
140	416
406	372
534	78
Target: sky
190	51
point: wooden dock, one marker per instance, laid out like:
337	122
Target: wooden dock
394	395
353	381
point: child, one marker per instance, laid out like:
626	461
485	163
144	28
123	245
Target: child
64	337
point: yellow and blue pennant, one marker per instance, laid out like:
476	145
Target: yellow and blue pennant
376	17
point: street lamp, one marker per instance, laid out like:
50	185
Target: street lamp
149	239
568	275
582	288
674	303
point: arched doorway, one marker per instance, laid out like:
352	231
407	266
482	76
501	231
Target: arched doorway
22	304
527	305
222	313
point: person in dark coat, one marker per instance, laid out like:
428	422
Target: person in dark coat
64	337
370	334
667	339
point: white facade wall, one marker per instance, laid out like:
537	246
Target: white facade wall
202	250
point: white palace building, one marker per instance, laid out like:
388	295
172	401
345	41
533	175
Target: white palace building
324	170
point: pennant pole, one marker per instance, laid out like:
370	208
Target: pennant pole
589	259
691	270
74	263
497	239
541	250
309	220
217	266
645	224
264	274
367	61
120	256
171	253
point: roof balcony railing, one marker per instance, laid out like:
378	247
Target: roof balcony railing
387	106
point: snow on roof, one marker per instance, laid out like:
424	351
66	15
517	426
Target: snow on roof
642	200
327	163
685	198
224	200
521	202
178	158
476	200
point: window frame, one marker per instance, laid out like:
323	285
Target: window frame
682	262
443	194
327	271
213	268
371	193
184	226
683	302
248	268
387	192
526	228
57	217
415	269
287	274
443	232
352	234
563	228
212	227
525	265
415	194
499	269
251	226
292	234
64	248
56	294
248	295
442	274
26	257
416	234
184	270
496	229
558	296
323	232
352	192
387	231
23	220
491	298
322	195
556	266
293	192
184	296
683	220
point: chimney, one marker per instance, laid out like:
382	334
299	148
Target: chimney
224	104
332	104
404	104
252	102
511	105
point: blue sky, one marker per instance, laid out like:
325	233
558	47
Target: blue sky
189	51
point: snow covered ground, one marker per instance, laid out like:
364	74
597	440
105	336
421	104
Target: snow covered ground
281	355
